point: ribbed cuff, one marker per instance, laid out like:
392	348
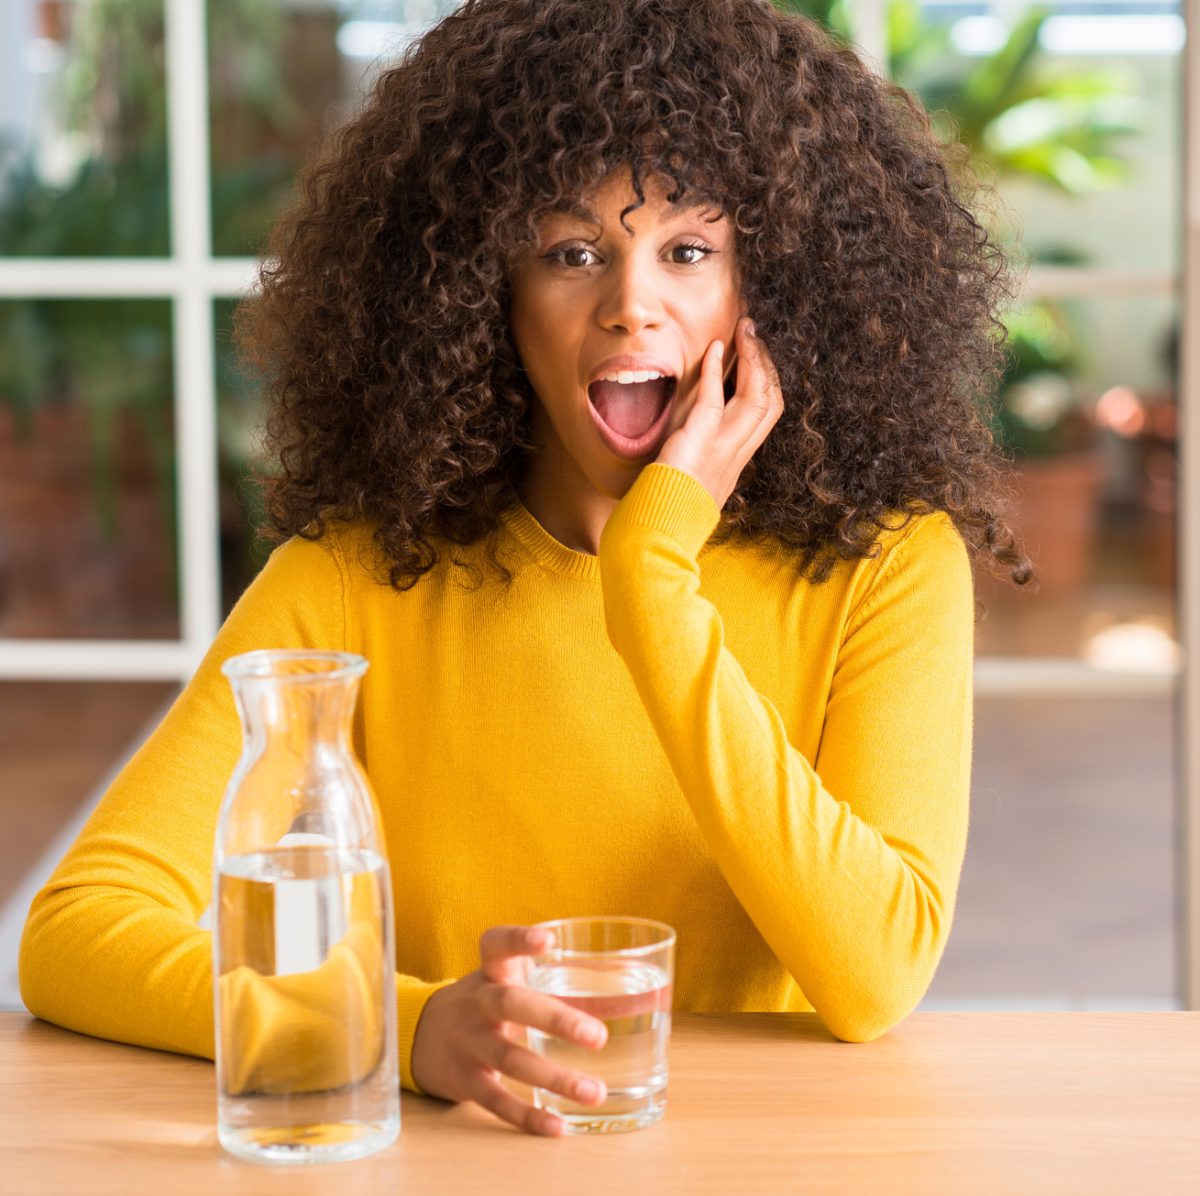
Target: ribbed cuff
411	996
668	500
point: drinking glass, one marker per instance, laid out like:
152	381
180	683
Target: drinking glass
620	970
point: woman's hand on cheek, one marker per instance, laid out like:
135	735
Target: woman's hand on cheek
718	438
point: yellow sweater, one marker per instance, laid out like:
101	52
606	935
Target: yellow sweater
691	733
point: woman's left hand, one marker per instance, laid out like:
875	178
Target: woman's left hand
718	438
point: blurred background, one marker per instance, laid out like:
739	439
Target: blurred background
145	146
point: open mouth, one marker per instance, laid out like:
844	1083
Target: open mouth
631	412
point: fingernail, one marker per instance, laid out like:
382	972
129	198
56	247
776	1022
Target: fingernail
720	350
750	328
593	1035
589	1090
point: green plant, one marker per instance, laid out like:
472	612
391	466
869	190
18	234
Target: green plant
113	359
1020	120
1060	131
1040	415
238	406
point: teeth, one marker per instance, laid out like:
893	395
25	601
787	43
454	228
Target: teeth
625	377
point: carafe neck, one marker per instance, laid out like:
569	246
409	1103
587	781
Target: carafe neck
296	713
295	698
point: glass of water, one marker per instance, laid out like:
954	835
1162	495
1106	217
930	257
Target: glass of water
620	970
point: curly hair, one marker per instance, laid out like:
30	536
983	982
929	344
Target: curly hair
396	394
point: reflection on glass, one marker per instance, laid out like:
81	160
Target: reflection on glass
1087	413
1068	889
87	470
83	149
239	417
281	77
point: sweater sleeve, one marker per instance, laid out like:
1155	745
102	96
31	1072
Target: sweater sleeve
848	864
111	947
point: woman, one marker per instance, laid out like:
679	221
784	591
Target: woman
622	359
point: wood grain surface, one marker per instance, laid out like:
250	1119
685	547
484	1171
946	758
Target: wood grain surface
973	1103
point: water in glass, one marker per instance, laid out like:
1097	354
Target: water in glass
633	999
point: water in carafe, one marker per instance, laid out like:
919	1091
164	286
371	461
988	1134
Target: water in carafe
303	943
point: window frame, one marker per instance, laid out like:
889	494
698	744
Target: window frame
192	280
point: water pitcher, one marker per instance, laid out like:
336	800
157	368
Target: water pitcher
303	940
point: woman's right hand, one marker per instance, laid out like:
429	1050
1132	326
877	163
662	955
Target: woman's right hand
470	1032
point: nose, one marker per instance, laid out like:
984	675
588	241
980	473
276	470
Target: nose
629	301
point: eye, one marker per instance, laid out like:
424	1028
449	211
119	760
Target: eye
569	255
701	252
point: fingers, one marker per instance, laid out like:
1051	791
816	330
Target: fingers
730	367
492	1095
501	998
527	1067
502	948
712	376
760	378
758	401
531	1068
464	1042
704	406
543	1012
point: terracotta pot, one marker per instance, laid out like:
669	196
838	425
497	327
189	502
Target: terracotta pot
1056	511
60	576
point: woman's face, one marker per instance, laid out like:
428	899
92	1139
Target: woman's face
597	307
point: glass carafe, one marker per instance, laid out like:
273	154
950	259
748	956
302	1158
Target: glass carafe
303	940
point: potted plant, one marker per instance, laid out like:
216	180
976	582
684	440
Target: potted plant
1058	129
87	470
1049	436
87	480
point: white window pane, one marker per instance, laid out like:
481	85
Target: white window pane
83	149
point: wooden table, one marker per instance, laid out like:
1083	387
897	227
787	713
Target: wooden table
947	1103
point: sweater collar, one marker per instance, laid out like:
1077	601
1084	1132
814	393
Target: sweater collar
551	553
545	549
